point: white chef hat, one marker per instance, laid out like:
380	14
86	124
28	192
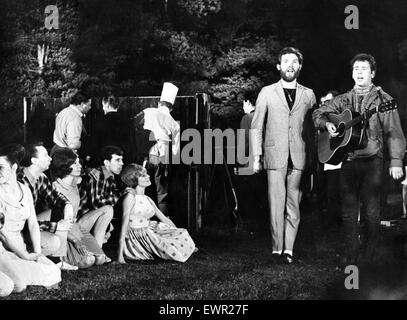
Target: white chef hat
169	92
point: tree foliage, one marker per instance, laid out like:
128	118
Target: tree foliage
39	61
225	47
135	45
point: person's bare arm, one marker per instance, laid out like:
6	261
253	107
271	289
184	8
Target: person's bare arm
128	204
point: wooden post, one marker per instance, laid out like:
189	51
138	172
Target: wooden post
25	120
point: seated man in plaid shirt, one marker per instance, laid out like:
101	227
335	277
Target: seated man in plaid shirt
99	193
53	235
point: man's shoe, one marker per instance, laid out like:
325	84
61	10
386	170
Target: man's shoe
287	258
66	266
275	257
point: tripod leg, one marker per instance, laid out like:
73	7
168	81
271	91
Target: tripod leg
235	211
208	192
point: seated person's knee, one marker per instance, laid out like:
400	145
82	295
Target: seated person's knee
50	243
19	286
54	243
108	211
6	286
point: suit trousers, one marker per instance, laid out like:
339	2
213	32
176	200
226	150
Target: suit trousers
284	199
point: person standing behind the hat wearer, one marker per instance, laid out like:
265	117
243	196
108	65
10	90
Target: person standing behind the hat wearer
166	132
112	129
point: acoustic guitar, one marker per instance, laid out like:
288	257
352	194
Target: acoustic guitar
352	136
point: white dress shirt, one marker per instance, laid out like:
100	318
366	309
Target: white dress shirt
164	127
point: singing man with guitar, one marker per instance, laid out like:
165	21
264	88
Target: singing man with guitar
354	126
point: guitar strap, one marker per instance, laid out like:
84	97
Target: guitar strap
355	106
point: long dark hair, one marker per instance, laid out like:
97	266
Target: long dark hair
13	152
61	163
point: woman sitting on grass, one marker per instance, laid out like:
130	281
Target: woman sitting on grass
142	238
83	250
16	203
6	283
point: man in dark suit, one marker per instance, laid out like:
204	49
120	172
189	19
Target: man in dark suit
280	110
113	129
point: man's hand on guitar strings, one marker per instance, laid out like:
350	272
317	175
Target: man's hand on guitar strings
331	129
396	172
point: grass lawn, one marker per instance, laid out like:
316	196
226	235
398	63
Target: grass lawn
238	265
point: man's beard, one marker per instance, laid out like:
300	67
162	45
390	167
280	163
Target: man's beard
287	78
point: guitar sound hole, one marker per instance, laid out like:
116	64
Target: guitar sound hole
341	130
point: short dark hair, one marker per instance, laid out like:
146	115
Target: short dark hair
293	50
61	163
13	152
112	101
131	173
79	97
166	104
30	151
364	57
108	151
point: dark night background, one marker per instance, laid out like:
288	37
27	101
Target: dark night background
215	46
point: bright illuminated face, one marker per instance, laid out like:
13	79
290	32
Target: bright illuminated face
247	107
42	160
76	168
86	106
144	179
6	170
289	67
362	74
106	106
115	164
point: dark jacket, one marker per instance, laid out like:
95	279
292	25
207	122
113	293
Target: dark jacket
112	129
382	126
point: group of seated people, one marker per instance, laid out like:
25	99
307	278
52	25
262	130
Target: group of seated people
62	220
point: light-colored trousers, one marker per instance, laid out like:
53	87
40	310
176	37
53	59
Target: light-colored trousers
284	196
52	244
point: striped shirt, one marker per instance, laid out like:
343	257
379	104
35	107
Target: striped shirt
43	192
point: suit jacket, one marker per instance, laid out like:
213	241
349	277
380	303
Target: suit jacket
279	131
